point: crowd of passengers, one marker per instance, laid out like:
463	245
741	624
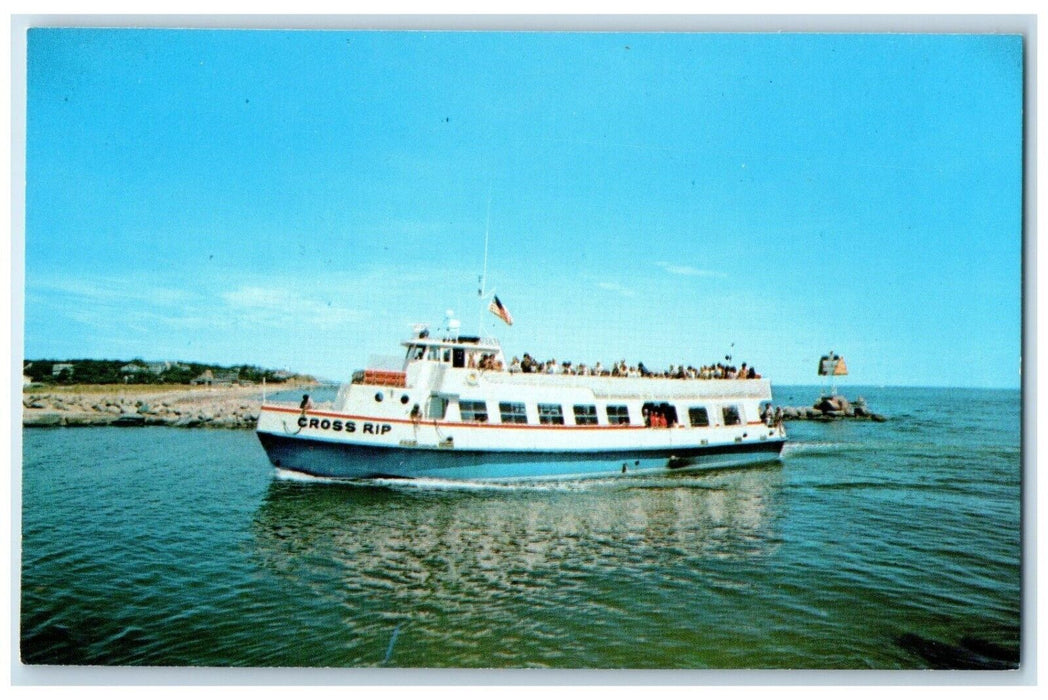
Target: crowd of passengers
529	365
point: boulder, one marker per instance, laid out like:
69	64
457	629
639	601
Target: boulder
152	419
83	420
224	422
129	420
41	420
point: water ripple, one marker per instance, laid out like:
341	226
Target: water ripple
166	547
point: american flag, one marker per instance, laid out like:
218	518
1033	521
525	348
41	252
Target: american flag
499	310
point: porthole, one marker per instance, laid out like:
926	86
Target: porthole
378	396
404	399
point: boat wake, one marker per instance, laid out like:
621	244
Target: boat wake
817	447
424	484
289	475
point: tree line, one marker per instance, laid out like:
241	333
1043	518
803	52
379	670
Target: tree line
86	371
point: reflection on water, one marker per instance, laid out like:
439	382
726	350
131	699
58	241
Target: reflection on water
408	554
721	515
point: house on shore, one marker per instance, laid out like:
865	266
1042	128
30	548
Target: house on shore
220	378
155	368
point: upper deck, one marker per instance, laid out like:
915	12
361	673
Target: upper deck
475	366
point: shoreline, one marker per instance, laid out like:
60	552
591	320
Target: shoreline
237	407
128	405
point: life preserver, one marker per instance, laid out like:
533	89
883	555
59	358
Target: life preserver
471	378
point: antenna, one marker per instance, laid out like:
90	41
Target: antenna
481	293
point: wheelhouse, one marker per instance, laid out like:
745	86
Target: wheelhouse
469	352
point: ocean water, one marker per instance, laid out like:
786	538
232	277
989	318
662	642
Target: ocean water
868	546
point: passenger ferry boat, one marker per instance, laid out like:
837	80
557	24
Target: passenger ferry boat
441	415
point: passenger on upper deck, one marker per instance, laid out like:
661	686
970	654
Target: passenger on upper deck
528	365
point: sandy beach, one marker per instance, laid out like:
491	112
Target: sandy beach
234	407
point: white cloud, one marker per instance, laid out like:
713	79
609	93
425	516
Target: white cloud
617	288
688	270
279	307
101	289
325	322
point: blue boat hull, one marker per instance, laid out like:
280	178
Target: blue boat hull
348	461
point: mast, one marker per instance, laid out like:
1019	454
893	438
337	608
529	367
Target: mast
481	293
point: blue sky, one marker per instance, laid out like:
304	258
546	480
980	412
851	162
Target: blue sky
299	199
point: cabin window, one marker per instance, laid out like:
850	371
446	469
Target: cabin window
618	415
473	411
731	415
551	414
434	354
585	415
698	416
458	357
512	412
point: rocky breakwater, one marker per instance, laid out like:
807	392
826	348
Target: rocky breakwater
830	408
234	407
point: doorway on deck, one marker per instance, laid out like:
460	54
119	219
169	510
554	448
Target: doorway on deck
659	415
